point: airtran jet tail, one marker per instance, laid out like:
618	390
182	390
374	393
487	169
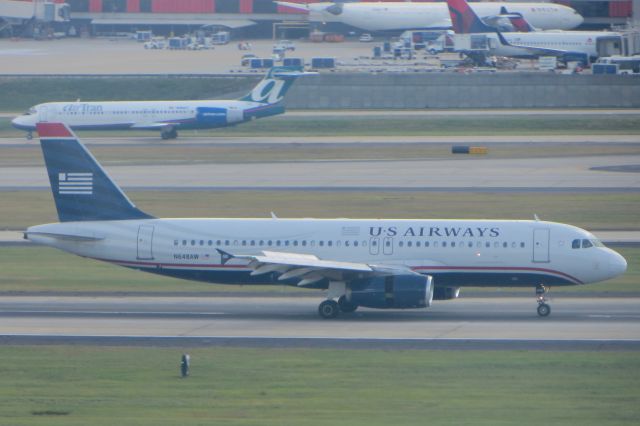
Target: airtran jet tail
274	86
82	190
464	20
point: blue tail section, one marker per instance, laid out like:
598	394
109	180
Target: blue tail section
274	86
82	190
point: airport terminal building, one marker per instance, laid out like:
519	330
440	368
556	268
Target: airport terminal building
258	18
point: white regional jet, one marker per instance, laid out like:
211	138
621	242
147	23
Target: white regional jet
568	45
375	263
266	99
392	16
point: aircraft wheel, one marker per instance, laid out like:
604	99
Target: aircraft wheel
165	135
346	306
329	309
544	310
173	134
29	136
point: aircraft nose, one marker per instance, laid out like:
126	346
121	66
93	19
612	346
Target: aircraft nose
617	264
21	123
576	20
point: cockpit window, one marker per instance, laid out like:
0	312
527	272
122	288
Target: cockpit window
575	244
586	244
30	111
597	243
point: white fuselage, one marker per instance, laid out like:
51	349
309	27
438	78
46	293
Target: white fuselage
570	41
455	252
138	114
387	16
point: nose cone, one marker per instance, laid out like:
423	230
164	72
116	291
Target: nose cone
24	122
575	20
617	264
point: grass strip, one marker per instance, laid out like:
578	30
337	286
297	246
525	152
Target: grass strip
592	210
404	126
80	385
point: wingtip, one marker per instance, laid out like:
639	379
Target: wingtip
53	130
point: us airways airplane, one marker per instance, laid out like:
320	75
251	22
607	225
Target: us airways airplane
527	43
372	263
266	99
393	16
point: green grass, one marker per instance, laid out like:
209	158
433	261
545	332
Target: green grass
403	126
108	155
78	385
598	210
33	269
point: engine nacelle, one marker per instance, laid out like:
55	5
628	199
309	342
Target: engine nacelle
446	293
394	291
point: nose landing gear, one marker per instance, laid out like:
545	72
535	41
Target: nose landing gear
29	135
543	308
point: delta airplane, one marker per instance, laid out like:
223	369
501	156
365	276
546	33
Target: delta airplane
382	263
392	16
266	99
527	43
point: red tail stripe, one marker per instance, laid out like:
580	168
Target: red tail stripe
53	130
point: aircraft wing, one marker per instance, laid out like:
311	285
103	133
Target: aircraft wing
310	269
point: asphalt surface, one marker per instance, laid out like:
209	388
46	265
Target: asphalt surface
151	138
476	323
541	173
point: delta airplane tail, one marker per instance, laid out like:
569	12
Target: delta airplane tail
274	86
464	20
82	190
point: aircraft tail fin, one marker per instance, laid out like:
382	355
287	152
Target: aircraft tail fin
520	23
274	86
81	189
464	20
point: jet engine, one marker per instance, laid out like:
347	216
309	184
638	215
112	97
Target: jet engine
446	293
393	291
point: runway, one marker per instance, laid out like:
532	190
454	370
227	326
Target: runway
588	323
153	139
543	173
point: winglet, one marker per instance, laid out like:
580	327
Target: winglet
54	130
224	256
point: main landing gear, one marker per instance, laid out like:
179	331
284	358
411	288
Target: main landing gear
169	133
543	309
330	308
29	135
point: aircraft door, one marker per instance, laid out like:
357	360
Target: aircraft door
145	242
541	245
387	247
374	246
44	113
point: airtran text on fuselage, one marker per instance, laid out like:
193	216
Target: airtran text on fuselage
78	108
433	231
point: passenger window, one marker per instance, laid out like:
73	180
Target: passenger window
400	244
586	244
521	245
175	242
575	244
193	242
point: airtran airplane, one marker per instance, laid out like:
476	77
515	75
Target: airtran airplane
266	99
527	43
381	263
